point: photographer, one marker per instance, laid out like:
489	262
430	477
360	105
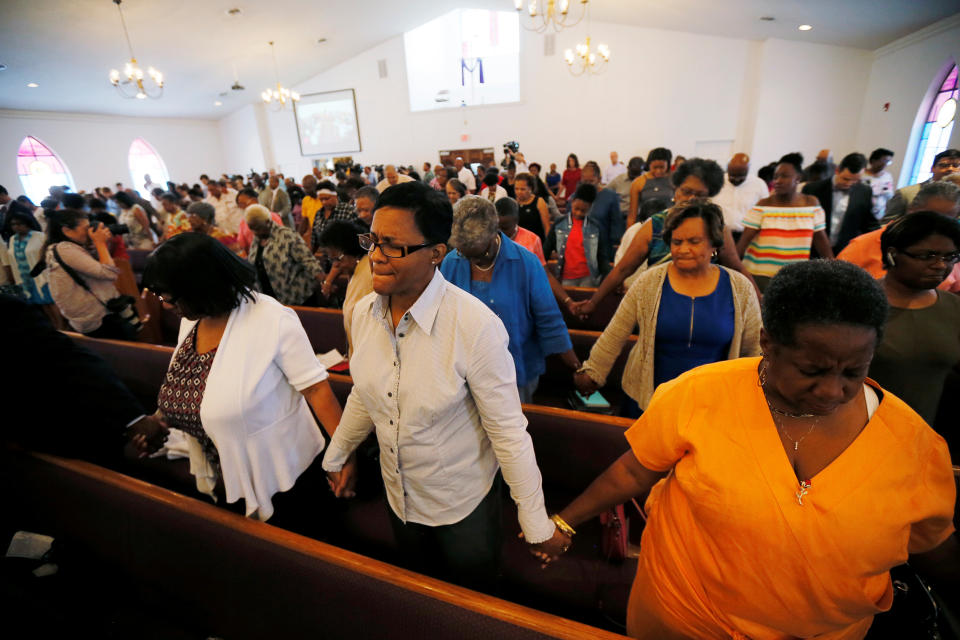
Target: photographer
83	305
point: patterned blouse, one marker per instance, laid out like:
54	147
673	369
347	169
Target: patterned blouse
288	263
343	211
785	236
182	392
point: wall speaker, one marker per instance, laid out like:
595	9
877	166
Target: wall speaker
549	44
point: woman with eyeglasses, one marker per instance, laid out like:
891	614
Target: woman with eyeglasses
921	344
433	377
695	178
341	241
690	312
241	386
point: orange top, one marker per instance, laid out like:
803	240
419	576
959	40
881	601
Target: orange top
728	551
864	251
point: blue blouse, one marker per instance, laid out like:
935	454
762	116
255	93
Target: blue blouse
520	295
692	331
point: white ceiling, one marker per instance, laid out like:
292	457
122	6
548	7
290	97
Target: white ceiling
68	46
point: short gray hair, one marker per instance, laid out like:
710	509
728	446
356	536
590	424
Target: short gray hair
203	210
256	214
474	222
944	189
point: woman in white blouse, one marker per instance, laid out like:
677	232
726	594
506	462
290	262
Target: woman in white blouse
242	382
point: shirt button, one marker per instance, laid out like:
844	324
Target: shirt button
389	394
391	422
401	335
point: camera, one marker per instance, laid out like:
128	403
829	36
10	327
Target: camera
509	148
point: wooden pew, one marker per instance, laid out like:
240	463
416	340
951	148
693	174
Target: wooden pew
138	260
572	449
244	579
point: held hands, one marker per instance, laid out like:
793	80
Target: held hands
584	383
343	482
550	550
583	309
148	435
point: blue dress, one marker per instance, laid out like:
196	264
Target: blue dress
692	331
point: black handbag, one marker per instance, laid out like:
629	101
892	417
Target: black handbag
122	308
914	612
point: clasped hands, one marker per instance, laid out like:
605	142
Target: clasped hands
148	434
343	483
550	550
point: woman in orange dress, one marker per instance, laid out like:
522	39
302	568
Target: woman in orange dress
784	488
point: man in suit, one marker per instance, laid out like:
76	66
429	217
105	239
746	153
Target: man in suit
944	163
75	404
847	202
276	200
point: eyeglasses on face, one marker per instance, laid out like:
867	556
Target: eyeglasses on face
368	243
934	256
692	193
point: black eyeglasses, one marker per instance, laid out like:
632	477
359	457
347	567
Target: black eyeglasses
934	256
368	244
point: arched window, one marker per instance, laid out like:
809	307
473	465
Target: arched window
145	161
937	126
39	169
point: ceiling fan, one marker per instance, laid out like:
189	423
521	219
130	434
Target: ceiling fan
236	86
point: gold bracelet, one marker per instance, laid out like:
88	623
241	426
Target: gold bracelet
562	525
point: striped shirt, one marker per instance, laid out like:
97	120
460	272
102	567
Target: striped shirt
785	236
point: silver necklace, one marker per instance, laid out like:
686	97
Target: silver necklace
796	443
495	256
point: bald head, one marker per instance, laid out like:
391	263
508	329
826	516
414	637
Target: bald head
738	168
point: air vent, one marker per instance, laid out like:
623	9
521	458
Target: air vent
767	18
549	44
382	68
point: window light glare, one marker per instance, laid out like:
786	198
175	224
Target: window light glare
805	27
32	85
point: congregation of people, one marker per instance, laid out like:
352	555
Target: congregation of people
795	328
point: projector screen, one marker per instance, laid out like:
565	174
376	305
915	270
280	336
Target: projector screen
466	57
327	123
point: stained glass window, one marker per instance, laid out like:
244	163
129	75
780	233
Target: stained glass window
39	169
145	161
937	127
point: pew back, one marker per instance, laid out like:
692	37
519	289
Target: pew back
246	579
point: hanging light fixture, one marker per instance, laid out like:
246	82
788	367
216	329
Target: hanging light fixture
130	83
281	95
550	13
585	60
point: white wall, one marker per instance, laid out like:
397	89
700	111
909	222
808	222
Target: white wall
633	107
809	98
95	148
241	142
901	74
674	89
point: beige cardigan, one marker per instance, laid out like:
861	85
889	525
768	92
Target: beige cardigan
641	305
